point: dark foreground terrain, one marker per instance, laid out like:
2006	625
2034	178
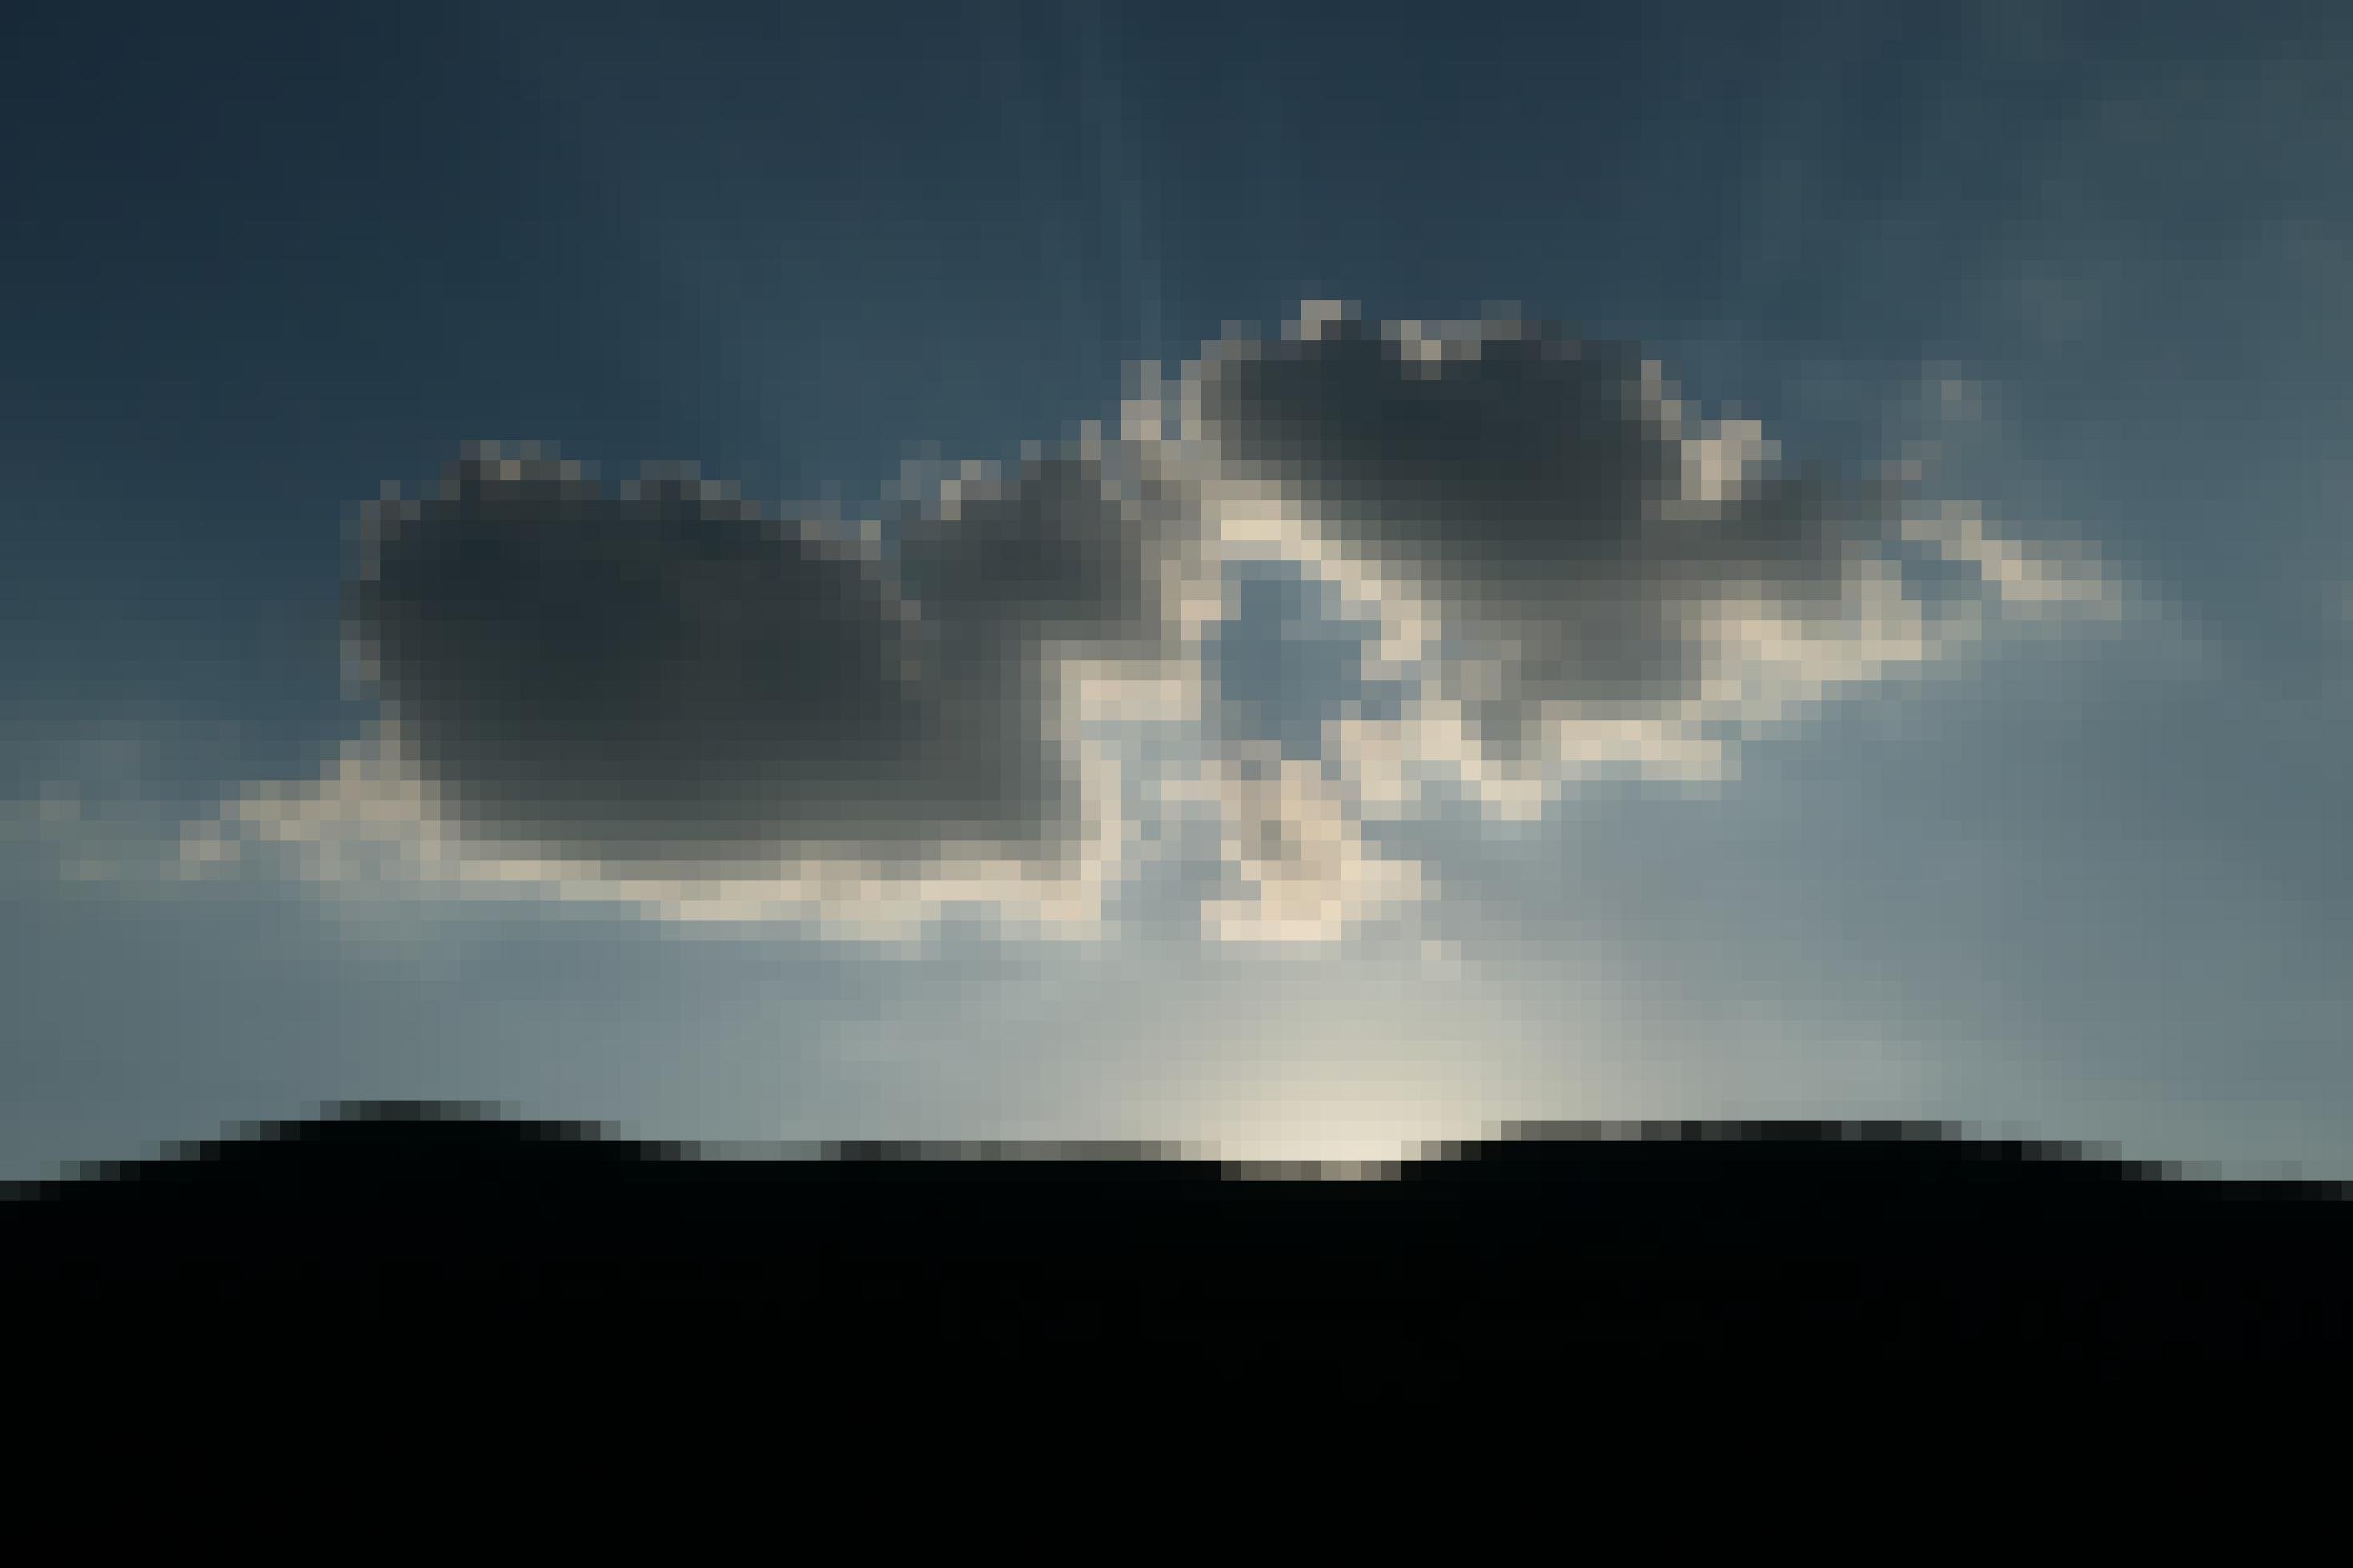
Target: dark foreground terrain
1621	1247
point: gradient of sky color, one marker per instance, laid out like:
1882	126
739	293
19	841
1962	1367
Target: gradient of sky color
2090	261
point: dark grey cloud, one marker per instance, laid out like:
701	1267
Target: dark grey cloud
1310	580
670	677
1066	552
1546	496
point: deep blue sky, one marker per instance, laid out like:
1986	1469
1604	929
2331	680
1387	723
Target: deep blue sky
256	261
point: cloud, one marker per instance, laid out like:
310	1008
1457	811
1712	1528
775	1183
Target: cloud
1078	550
1574	571
1513	559
667	695
1538	493
663	676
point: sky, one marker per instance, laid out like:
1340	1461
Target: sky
1295	579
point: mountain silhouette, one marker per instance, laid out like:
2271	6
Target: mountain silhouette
1687	1240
